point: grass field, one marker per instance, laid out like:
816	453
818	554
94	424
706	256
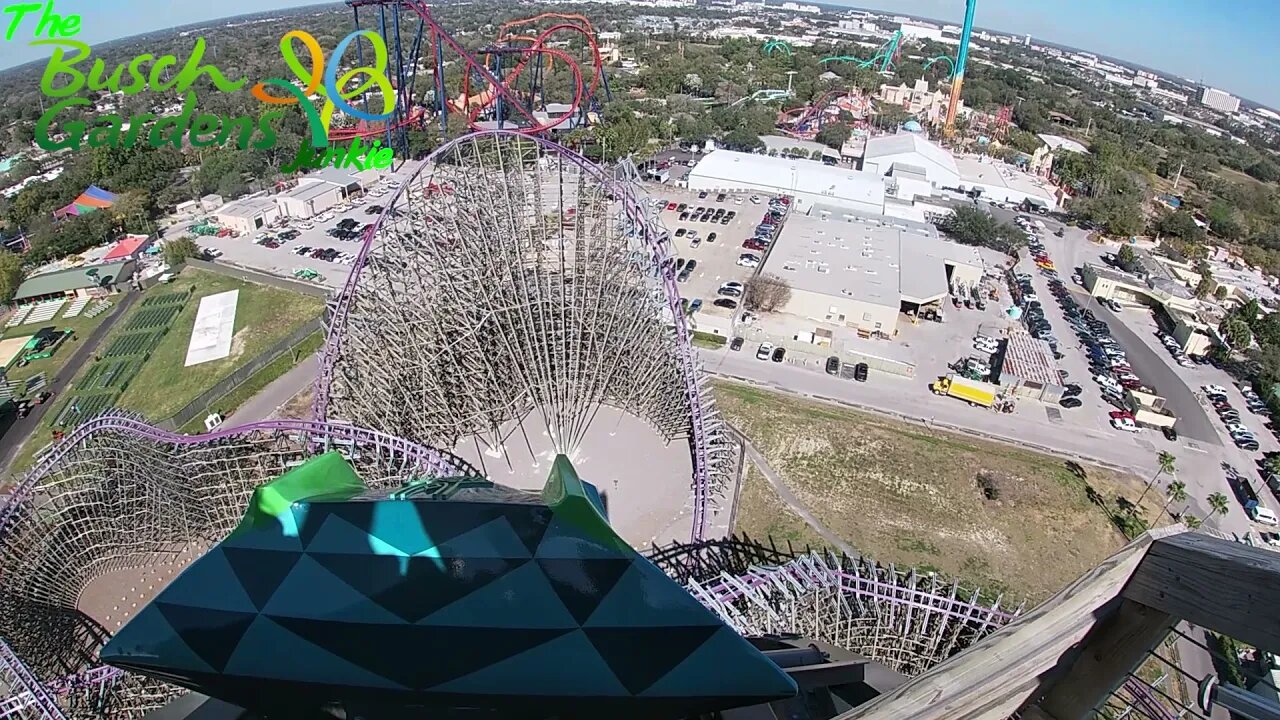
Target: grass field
232	401
264	315
988	514
162	385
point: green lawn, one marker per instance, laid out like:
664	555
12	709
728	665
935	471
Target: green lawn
81	325
264	315
232	401
163	386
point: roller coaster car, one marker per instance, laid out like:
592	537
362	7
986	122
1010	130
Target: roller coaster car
437	189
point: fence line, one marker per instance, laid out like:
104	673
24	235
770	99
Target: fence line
257	276
208	398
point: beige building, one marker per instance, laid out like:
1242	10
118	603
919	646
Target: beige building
248	215
1193	328
309	199
858	272
928	106
1110	284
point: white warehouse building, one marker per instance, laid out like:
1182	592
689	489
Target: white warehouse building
909	155
808	181
861	273
309	199
914	150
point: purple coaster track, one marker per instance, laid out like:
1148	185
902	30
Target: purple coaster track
658	246
28	696
26	688
433	461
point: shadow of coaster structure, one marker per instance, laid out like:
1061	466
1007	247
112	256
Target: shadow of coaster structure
509	292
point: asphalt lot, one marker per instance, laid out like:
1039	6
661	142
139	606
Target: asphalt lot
1156	372
717	260
282	261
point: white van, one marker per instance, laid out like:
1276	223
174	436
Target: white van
1263	515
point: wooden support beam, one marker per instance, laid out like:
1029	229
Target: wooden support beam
1115	648
1002	673
1225	586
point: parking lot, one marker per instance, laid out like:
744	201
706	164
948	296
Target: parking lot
716	258
312	233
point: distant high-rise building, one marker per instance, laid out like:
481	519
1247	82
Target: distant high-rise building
1027	41
1219	100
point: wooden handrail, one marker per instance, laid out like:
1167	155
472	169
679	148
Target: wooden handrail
1228	587
999	675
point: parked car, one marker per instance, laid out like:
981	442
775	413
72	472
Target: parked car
765	350
860	372
833	365
749	260
1170	434
1070	402
726	302
736	344
779	354
1124	424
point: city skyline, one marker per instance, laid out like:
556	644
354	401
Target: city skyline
1184	38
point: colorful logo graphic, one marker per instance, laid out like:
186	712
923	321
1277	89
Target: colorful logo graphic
69	71
331	86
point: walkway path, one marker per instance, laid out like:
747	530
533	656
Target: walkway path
792	501
278	392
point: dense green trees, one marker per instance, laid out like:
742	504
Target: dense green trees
834	135
179	249
1126	258
11	274
974	226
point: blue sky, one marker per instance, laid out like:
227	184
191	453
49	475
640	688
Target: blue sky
1232	44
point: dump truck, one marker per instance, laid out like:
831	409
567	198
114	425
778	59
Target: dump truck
973	392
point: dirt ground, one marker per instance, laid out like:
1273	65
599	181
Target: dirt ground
299	406
988	514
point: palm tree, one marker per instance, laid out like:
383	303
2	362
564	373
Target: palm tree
1218	503
1164	464
1177	493
1192	521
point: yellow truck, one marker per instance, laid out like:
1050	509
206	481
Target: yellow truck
973	392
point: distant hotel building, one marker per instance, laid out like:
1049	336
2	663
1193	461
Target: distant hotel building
1219	100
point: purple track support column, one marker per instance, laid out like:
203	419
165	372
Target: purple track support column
22	680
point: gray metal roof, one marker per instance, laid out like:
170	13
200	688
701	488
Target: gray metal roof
881	262
62	281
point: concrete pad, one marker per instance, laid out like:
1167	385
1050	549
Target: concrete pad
648	501
215	324
11	348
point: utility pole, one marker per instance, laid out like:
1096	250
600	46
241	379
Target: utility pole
790	73
1177	177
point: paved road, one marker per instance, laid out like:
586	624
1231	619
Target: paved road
1156	372
277	393
18	433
